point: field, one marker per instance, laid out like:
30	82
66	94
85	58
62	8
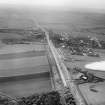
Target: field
80	24
19	48
77	23
16	18
92	97
17	59
24	69
26	87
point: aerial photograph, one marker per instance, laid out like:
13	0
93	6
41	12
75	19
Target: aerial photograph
52	52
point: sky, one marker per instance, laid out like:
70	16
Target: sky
97	4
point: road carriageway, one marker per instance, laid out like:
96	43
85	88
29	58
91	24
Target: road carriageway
64	74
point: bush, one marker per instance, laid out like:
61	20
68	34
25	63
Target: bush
69	97
51	98
6	101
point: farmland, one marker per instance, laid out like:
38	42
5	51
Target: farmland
92	97
24	67
22	59
22	70
26	87
81	24
90	82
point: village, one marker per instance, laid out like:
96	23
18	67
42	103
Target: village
84	46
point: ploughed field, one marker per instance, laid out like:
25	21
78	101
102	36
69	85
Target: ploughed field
24	70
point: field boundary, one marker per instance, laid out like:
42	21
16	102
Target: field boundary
24	77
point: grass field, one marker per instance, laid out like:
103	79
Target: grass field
26	87
93	98
18	18
21	59
76	23
22	55
21	48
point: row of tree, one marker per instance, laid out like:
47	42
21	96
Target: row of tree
49	98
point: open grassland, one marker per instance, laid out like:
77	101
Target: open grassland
24	63
26	87
17	18
24	69
19	48
75	23
78	23
23	59
22	55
